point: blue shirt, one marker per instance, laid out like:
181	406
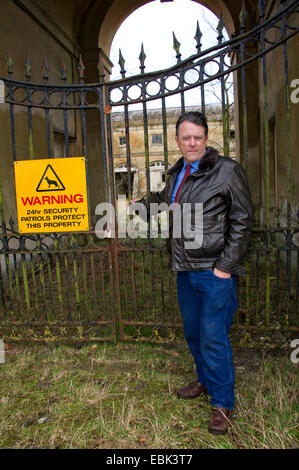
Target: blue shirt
193	168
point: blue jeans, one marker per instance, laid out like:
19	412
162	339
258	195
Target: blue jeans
207	305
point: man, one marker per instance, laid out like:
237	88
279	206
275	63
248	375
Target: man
207	274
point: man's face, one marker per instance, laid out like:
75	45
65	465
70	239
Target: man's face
191	141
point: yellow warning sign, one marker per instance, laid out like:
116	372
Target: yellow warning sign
51	195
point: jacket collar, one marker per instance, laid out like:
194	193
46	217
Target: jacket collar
208	161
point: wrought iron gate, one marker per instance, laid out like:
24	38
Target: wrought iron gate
80	287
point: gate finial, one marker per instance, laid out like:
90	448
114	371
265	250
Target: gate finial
242	17
261	8
27	69
45	69
197	37
63	70
121	62
176	46
11	223
81	69
142	58
10	65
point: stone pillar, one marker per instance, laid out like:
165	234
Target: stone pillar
93	130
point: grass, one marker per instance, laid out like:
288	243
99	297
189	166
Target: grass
123	396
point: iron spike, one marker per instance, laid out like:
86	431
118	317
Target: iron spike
176	46
242	16
142	58
197	37
10	65
121	62
27	69
45	69
63	70
81	68
220	28
261	7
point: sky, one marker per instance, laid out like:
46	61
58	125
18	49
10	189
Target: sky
153	25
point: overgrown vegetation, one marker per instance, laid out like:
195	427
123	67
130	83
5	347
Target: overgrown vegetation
123	396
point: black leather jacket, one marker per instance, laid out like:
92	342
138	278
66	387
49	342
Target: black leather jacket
221	186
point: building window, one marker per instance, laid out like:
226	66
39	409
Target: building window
157	139
122	140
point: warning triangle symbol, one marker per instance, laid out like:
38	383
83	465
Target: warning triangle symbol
50	181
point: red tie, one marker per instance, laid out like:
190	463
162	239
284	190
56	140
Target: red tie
187	172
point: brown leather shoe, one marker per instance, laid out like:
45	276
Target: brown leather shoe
192	390
220	420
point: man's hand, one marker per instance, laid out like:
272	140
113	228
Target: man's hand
221	274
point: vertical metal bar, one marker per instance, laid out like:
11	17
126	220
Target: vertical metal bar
244	107
47	114
36	293
146	154
202	88
12	122
29	118
95	306
182	92
113	255
146	140
224	105
162	285
134	291
49	262
18	291
102	270
25	275
287	119
247	292
45	69
2	292
143	285
84	138
164	124
268	281
7	266
154	309
69	291
257	282
25	281
288	274
125	270
76	279
267	161
297	282
58	277
113	244
277	279
42	281
65	124
128	149
101	92
84	256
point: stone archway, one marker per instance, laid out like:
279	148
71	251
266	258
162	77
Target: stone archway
96	32
120	10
